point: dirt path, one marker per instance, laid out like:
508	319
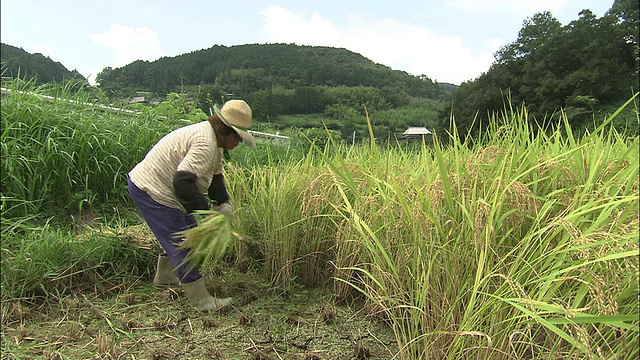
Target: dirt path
141	321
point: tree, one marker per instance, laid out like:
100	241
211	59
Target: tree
588	64
537	32
627	15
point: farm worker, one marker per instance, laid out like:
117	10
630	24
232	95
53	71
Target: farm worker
171	182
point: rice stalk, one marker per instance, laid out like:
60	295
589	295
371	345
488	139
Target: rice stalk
207	242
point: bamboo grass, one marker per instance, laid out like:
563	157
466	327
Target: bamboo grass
55	152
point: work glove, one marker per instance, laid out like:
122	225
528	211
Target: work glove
225	208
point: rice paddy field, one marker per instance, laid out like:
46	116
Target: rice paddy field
522	244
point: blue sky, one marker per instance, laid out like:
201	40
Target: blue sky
447	40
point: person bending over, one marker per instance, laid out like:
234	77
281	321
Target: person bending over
179	175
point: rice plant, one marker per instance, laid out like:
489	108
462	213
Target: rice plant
209	240
523	244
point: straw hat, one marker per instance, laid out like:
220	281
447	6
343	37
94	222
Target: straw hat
236	114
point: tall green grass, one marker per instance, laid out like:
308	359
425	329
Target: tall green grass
60	157
58	154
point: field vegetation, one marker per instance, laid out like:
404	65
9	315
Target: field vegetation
514	243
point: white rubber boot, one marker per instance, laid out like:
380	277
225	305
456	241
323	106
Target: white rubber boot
165	275
199	296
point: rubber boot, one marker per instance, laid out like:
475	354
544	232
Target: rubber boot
199	296
164	272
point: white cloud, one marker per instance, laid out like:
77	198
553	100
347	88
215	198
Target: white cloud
494	43
399	45
281	25
519	8
130	44
91	77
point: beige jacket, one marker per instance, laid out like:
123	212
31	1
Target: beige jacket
192	148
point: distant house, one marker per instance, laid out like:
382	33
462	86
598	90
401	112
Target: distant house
144	100
138	99
416	133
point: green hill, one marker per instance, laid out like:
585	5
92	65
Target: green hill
18	63
244	69
319	86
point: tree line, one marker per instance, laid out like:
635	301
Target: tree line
243	69
586	68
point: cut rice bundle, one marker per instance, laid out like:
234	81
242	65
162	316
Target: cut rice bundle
208	241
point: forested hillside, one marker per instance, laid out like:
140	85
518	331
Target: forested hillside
244	69
18	63
588	67
585	69
320	86
277	78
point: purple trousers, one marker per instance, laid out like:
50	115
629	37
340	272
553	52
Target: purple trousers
165	222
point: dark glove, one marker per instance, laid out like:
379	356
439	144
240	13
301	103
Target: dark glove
184	185
218	190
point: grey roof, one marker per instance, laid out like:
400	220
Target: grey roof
416	131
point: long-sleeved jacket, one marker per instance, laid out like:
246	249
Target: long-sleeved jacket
182	168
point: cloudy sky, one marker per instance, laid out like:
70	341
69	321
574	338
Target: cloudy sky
447	40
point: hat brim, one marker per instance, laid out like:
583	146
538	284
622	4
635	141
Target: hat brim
245	135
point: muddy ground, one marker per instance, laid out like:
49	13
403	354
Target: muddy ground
137	320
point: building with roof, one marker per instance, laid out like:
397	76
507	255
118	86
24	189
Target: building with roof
414	132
